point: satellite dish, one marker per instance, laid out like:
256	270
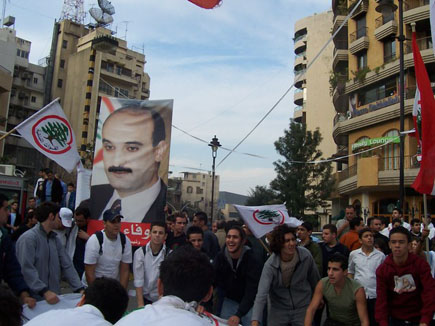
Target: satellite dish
103	15
106	6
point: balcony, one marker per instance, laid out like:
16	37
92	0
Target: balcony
375	171
359	40
338	20
301	44
385	26
361	10
300	60
298	97
298	114
415	11
340	53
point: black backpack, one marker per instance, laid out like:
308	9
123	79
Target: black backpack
100	237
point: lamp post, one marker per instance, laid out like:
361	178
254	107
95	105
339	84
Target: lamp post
387	7
214	144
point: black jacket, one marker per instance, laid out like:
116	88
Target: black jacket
10	269
238	284
328	252
101	194
56	191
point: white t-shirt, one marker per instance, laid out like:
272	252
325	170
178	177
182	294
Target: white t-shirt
84	315
107	263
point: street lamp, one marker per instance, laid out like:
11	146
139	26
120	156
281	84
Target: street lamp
214	144
387	7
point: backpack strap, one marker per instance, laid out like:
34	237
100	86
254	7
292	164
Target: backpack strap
100	238
123	241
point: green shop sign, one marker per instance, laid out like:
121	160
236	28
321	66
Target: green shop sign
375	141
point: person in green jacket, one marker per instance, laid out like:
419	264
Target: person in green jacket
304	232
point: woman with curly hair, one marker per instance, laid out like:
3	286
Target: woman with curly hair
289	278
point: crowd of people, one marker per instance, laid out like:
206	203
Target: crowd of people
361	273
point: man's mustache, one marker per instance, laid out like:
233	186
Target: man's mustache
119	169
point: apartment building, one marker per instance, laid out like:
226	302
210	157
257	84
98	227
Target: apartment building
312	96
365	86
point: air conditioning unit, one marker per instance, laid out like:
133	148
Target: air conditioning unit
7	169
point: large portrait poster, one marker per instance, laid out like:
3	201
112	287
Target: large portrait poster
131	162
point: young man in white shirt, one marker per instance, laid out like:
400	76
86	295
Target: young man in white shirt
363	263
186	278
146	264
102	304
110	257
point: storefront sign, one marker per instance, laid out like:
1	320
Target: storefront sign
375	141
377	105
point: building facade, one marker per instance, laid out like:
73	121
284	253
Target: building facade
312	95
87	63
196	192
26	83
365	87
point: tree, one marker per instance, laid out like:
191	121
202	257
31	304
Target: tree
261	195
301	186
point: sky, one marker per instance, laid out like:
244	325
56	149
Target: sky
224	68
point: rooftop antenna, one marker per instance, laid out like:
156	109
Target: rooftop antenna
3	12
126	22
73	10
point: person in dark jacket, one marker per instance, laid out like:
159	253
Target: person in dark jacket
237	276
405	287
10	270
289	278
29	222
51	189
14	218
330	246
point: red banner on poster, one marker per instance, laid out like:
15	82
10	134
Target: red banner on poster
137	233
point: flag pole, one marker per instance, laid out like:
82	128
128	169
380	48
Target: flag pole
264	246
7	134
425	221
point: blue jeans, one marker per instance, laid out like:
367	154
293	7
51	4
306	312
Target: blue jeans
229	308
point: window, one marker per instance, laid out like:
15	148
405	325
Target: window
33	99
62	63
391	152
59	83
189	190
18	52
389	50
199	190
35	80
64	44
361	29
378	92
362	60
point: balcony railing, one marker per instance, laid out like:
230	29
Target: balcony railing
415	4
340	45
299	72
361	32
389	58
299	90
383	20
424	43
302	54
389	163
347	173
299	108
300	37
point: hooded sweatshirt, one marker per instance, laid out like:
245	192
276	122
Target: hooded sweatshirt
405	292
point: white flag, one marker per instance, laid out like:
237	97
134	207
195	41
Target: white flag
262	219
432	22
49	131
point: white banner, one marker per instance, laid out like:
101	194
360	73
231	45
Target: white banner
262	219
49	131
83	190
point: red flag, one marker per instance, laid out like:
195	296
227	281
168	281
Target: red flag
424	183
206	4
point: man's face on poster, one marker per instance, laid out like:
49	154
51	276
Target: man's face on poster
130	160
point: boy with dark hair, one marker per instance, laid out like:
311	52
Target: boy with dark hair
103	303
210	241
363	263
405	287
42	257
237	275
186	278
146	264
304	232
177	238
416	227
330	245
195	236
351	239
375	224
397	214
345	298
288	280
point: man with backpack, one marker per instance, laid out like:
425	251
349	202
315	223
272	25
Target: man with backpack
108	252
146	265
